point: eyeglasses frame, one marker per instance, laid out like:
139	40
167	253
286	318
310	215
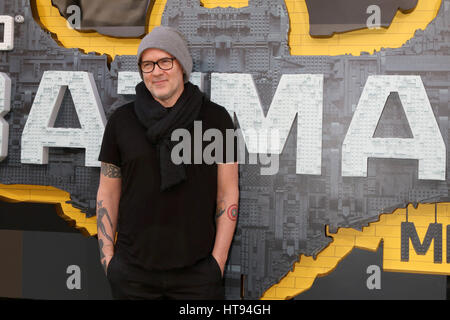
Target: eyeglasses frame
155	63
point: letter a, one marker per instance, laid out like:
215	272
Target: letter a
38	133
427	144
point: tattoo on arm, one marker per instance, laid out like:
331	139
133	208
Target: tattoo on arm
220	208
102	212
102	254
110	170
233	212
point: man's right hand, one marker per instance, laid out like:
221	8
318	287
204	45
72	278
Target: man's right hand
106	262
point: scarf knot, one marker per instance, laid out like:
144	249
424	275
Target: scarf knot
161	122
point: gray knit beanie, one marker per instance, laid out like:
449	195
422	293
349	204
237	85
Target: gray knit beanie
171	41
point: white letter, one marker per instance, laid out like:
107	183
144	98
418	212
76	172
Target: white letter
74	20
74	281
38	133
273	160
215	146
5	105
198	142
374	21
300	94
374	281
427	146
8	33
184	146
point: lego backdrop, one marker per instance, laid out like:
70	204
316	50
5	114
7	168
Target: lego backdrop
342	107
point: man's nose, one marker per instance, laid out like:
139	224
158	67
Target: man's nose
157	70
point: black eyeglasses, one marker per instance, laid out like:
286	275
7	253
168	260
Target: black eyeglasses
163	64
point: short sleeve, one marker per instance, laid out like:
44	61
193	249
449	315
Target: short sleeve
228	129
109	151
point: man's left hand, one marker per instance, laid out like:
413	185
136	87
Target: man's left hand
221	262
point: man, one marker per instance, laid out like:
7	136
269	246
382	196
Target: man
175	222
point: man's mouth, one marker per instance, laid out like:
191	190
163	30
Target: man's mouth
159	82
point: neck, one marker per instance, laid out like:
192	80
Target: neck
169	103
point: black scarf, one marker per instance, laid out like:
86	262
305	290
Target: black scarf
161	121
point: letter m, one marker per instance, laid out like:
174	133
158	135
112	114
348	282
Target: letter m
296	94
434	232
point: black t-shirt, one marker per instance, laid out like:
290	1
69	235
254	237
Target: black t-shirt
162	229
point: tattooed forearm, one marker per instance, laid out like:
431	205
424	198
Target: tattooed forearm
233	212
102	254
105	239
102	212
220	208
110	170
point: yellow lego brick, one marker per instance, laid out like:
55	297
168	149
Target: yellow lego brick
367	231
392	253
88	230
387	231
394	220
342	239
52	21
286	292
303	283
48	196
342	251
44	11
77	217
16	195
158	7
272	298
443	211
299	17
422	221
307	272
296	6
270	293
421	211
329	251
417	267
124	51
370	243
63	30
326	262
287	282
391	241
83	41
347	232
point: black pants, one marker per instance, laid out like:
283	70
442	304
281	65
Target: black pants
201	281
